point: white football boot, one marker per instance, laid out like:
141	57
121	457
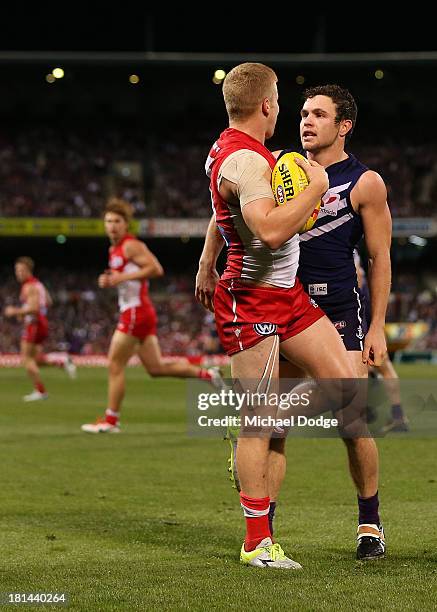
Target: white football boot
35	396
100	426
216	378
267	554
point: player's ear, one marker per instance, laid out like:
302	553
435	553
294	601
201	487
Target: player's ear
345	127
266	107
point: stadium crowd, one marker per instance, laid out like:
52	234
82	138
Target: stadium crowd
83	316
47	172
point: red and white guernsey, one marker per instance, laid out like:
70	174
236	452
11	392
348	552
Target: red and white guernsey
42	299
131	293
248	258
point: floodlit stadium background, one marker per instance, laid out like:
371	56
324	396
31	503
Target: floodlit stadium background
148	519
82	126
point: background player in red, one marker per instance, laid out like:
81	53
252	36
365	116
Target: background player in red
35	301
131	264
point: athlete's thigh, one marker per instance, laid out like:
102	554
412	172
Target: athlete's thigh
319	351
387	369
290	370
356	360
258	361
122	347
149	351
28	349
255	374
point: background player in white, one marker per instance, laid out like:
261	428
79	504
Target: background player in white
131	264
35	301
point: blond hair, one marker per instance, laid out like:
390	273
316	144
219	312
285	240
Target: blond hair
26	261
245	87
120	207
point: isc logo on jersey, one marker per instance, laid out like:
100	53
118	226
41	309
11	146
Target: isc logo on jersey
288	181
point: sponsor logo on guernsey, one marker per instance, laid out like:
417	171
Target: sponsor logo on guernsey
313	303
340	324
116	261
359	333
318	289
265	329
331	202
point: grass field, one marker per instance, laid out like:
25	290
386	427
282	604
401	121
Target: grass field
147	519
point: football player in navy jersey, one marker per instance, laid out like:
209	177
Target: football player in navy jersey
354	205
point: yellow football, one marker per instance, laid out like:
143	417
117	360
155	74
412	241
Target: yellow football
288	181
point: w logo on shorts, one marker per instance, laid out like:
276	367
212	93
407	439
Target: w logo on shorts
265	329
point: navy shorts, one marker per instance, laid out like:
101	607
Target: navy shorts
349	315
351	326
350	319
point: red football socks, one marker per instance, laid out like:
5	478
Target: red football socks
112	417
256	513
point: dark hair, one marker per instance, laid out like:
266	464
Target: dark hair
27	261
343	100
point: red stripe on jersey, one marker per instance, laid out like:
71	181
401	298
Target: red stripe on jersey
231	140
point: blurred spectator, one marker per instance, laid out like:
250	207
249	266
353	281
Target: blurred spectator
47	172
83	317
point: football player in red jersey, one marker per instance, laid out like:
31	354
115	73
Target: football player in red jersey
260	306
131	264
35	300
363	455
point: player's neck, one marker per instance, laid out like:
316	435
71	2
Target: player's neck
327	157
116	241
252	129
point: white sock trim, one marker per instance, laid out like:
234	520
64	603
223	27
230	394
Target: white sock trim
110	412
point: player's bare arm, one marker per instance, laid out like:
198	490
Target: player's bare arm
30	307
371	194
207	276
274	225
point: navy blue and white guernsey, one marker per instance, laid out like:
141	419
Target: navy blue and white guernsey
326	264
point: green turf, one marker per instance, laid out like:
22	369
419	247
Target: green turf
147	520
